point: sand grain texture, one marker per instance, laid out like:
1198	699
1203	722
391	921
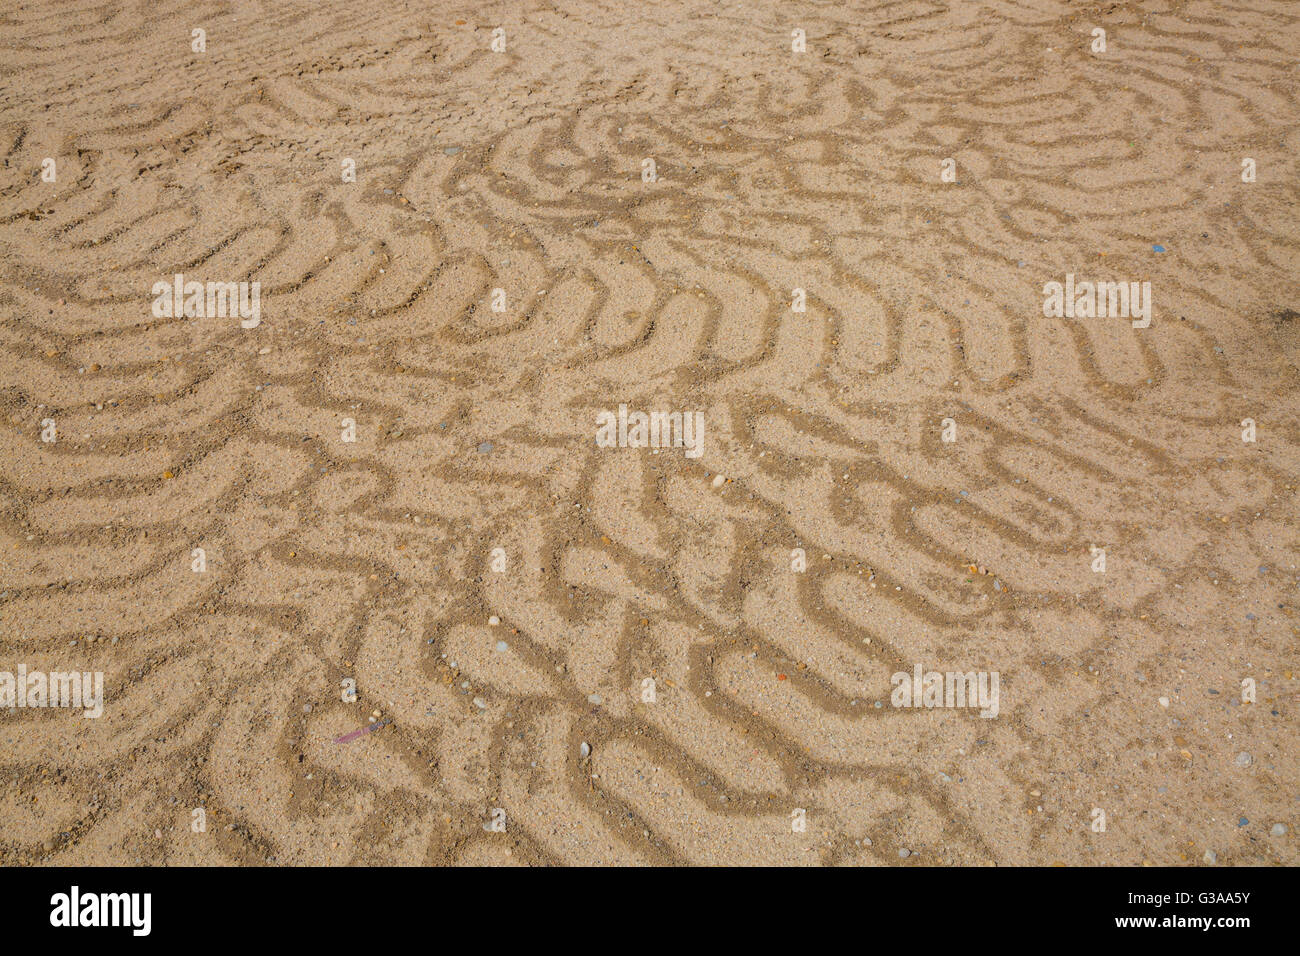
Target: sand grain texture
370	561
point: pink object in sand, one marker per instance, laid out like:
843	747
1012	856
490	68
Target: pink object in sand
348	738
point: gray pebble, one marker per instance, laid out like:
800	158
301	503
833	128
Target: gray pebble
584	750
452	150
1210	857
486	447
1278	829
502	646
593	698
904	853
1244	759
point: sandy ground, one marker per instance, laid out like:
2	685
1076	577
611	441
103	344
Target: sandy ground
514	683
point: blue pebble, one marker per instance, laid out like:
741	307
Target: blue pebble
1158	248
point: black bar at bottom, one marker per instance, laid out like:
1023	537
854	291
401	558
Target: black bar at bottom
330	906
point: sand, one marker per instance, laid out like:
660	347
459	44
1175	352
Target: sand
672	658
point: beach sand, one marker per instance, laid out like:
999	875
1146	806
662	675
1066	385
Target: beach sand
672	658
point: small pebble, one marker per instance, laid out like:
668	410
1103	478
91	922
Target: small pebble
1210	857
493	621
502	646
1278	829
480	703
718	480
904	853
584	750
1244	759
593	698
